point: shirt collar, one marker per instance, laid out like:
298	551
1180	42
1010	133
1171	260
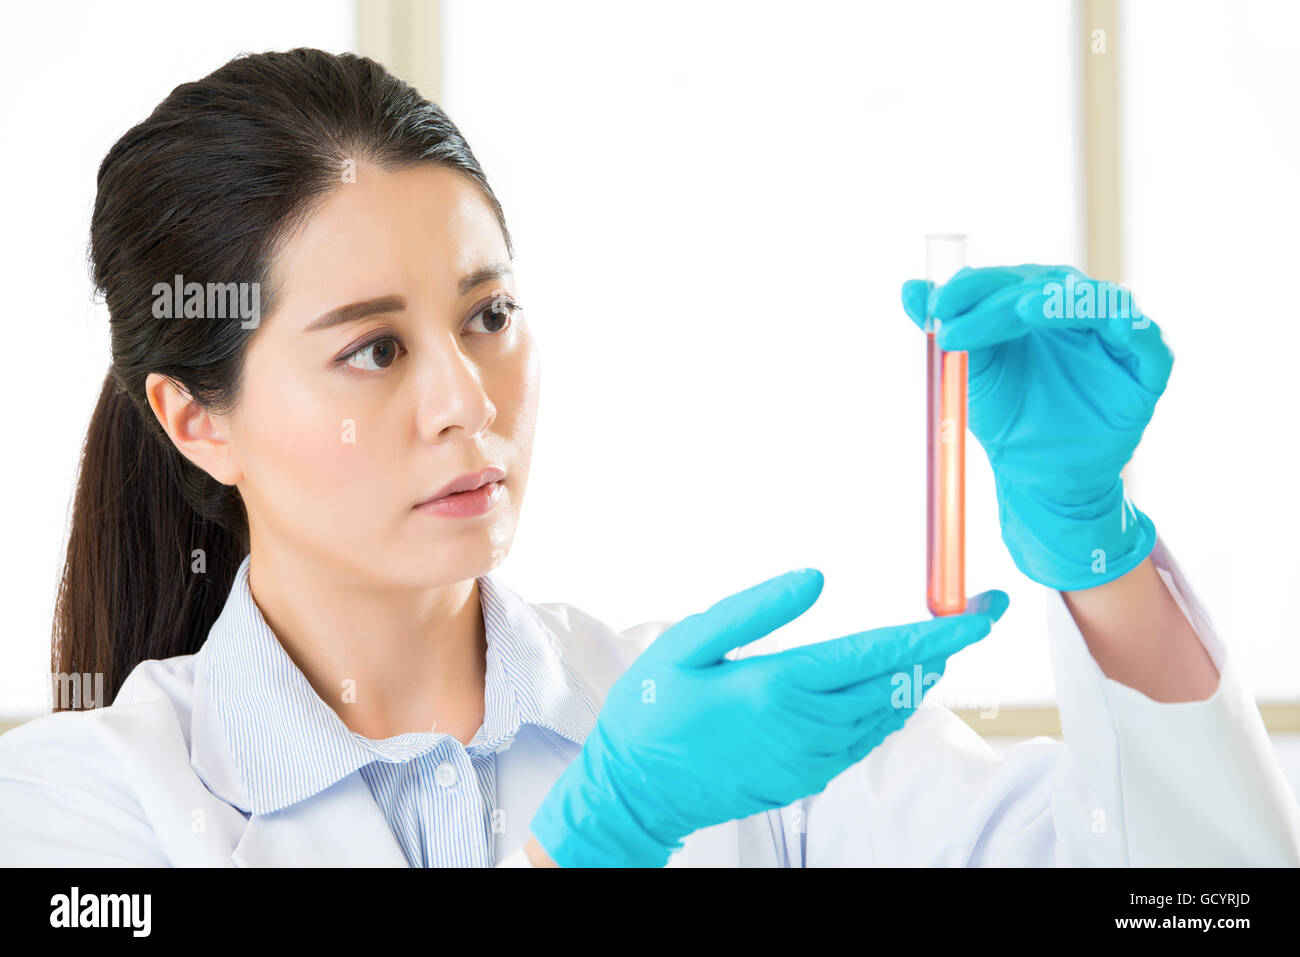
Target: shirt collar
285	744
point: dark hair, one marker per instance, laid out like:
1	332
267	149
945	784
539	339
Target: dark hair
207	187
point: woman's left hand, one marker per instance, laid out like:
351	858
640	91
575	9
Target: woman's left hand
1064	374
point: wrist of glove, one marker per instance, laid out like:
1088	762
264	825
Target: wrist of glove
1071	547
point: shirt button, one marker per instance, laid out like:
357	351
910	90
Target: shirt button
445	774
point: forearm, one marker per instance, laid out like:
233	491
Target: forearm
1139	637
538	856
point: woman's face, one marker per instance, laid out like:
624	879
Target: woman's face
342	428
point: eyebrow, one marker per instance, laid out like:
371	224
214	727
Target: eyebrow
355	311
485	274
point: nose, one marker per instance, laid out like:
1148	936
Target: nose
452	394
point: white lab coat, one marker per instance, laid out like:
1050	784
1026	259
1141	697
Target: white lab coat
1135	783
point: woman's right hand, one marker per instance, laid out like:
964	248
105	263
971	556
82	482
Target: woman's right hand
688	738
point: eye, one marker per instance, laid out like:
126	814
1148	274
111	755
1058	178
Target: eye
500	312
376	355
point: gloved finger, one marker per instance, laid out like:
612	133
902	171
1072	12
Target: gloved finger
840	662
969	287
994	320
921	295
847	707
876	736
916	293
1120	324
827	726
1149	359
883	651
993	603
820	714
705	637
893	719
839	745
999	316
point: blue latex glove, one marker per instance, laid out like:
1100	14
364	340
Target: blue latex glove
1059	402
688	738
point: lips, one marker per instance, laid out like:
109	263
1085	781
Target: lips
468	482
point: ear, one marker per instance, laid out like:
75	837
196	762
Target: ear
199	435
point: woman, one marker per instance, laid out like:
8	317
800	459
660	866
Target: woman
312	448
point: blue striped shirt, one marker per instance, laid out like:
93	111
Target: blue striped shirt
438	795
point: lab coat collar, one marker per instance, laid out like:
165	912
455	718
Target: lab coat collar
263	740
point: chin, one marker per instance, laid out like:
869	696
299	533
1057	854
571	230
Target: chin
451	559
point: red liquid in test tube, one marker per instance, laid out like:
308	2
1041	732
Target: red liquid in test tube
945	443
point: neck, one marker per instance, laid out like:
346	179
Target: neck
387	660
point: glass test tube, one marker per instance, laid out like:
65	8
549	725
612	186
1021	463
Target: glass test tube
945	443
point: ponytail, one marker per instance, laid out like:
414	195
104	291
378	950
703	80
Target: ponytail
146	573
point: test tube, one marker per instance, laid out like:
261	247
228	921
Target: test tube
945	443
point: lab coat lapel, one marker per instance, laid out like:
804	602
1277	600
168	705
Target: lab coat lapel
341	826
